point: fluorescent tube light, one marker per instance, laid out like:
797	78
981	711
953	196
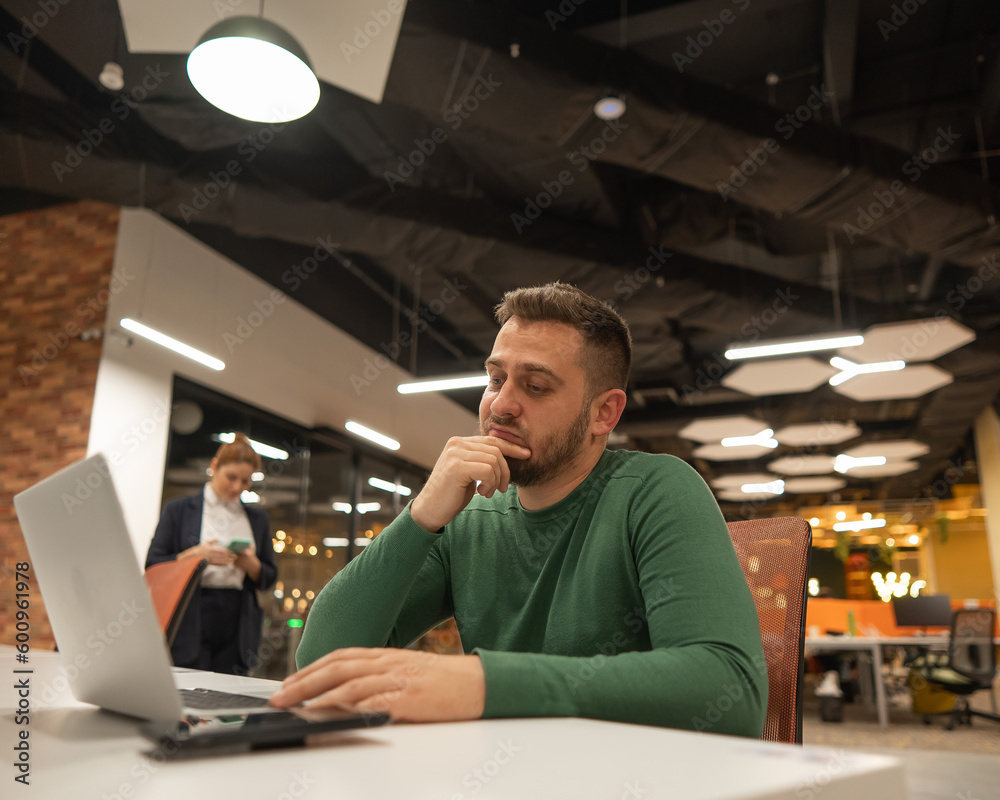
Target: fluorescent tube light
372	436
774	487
859	525
848	369
781	348
336	541
364	508
344	507
443	384
249	497
362	542
172	344
398	488
762	439
259	447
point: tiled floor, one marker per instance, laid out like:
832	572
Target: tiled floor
962	764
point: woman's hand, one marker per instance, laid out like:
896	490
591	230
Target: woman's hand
210	550
247	561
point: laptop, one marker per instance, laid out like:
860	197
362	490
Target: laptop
102	615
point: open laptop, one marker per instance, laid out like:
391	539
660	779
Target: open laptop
98	603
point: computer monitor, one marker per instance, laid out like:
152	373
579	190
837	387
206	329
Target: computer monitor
924	611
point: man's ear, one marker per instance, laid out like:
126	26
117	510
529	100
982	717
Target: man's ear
612	404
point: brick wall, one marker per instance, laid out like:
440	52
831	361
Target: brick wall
55	267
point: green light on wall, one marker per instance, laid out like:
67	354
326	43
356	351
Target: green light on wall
295	623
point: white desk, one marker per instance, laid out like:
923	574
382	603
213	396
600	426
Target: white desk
873	645
81	752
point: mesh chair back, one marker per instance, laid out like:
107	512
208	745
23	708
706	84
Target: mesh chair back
971	651
774	554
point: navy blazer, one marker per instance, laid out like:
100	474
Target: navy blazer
179	529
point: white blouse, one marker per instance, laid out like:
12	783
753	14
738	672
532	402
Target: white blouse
225	521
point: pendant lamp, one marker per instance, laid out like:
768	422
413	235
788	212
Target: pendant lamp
253	69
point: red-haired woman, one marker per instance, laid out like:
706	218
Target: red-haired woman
221	629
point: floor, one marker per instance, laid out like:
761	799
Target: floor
962	764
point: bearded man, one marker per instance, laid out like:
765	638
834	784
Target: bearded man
584	581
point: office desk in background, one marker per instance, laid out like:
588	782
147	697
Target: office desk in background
872	645
81	752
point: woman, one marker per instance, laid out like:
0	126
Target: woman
221	629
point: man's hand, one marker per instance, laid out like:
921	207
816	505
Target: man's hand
410	685
464	461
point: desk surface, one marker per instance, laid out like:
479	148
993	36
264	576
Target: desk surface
80	749
859	642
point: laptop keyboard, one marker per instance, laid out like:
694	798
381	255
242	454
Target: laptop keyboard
213	699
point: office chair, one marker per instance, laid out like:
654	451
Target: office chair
970	666
172	585
774	554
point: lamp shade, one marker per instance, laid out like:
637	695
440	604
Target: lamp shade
253	69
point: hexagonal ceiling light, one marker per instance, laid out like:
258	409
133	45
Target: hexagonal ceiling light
915	340
739	481
817	433
819	483
715	429
719	452
889	469
895	450
802	465
783	376
910	382
736	495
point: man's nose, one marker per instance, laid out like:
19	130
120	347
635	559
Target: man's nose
507	402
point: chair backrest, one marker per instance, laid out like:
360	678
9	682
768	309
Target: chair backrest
971	651
172	585
774	554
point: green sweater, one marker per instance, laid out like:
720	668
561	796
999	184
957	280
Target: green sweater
623	601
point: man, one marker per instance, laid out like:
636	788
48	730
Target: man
584	582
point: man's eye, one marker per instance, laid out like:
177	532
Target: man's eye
535	389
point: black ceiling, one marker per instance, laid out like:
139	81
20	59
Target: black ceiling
484	169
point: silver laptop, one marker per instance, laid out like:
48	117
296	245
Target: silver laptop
97	600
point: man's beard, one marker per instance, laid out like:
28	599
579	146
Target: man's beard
549	456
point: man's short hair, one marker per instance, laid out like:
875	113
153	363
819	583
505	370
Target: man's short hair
607	343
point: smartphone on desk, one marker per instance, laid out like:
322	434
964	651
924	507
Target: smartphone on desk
239	733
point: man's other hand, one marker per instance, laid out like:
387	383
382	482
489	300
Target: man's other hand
412	686
464	461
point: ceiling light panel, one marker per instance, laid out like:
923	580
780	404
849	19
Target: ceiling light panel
782	376
916	340
817	433
802	465
814	484
889	469
736	481
717	452
715	429
914	381
737	496
898	449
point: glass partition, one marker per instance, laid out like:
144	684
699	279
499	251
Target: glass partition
326	498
